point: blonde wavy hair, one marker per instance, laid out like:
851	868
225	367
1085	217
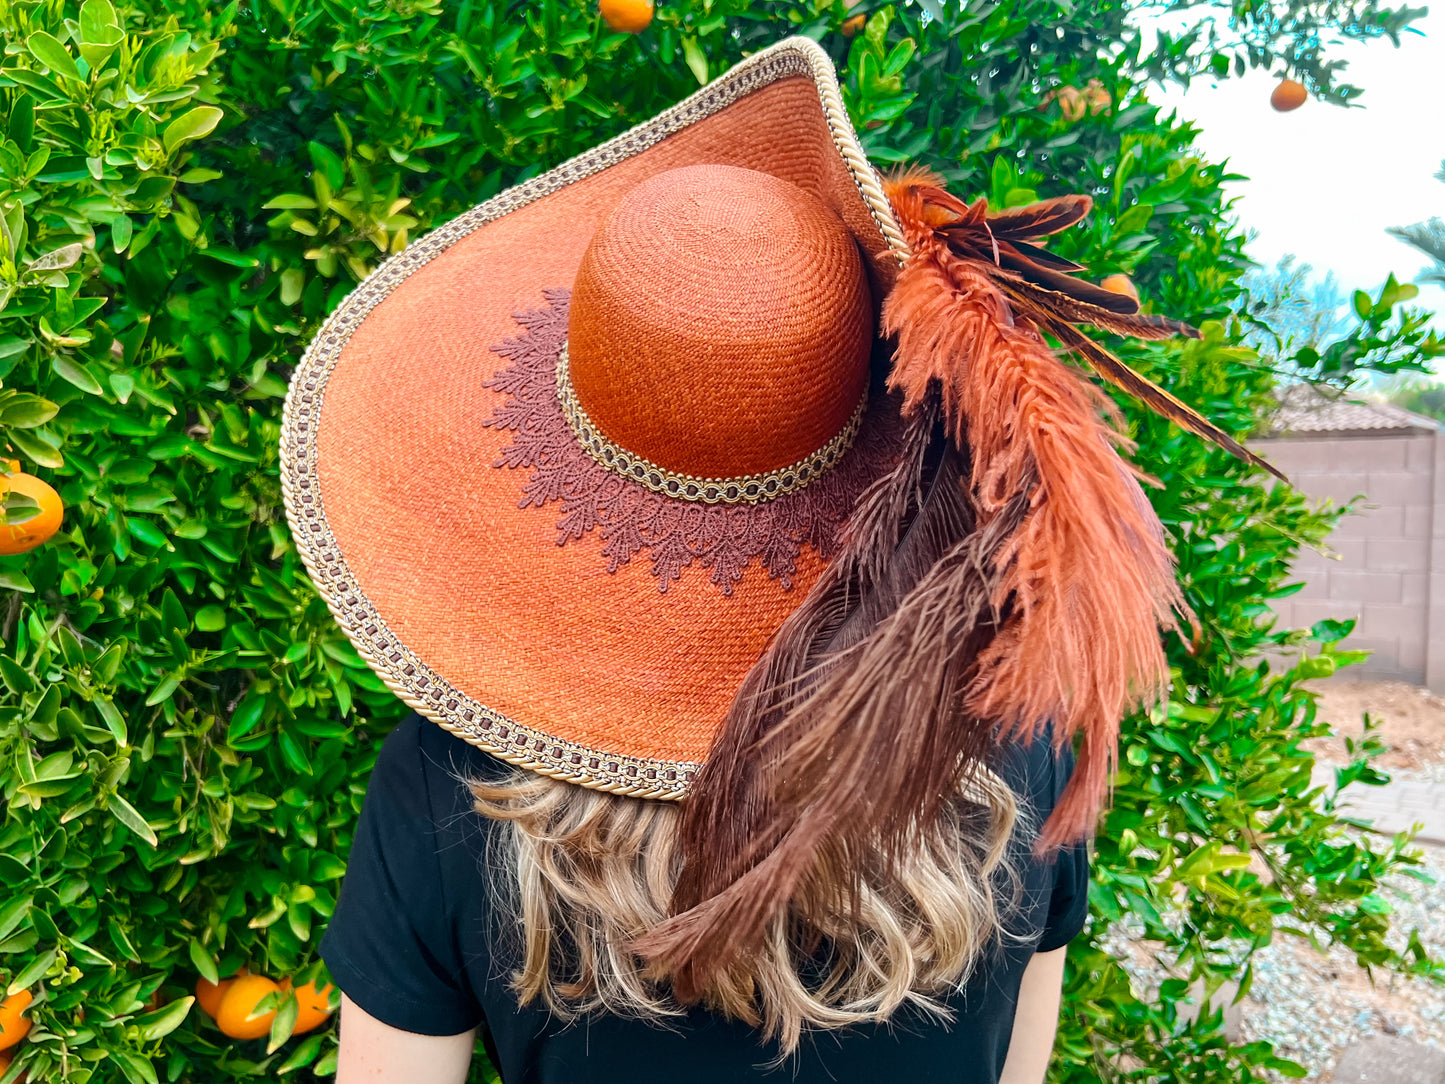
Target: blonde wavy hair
587	873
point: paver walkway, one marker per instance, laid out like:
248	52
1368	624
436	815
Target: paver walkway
1397	806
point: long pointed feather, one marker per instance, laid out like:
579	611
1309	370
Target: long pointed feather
1116	372
1039	219
1075	311
1045	257
1076	288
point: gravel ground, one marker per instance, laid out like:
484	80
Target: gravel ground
1312	1005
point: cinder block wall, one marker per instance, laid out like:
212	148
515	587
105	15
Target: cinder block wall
1381	573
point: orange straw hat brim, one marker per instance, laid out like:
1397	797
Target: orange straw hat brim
465	603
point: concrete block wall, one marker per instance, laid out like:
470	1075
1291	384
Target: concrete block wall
1387	568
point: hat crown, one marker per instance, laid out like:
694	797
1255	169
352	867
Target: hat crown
720	323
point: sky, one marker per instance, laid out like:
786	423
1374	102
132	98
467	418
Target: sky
1325	181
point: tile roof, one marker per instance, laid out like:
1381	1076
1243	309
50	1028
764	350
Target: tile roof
1306	410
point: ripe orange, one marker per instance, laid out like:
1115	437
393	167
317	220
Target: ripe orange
1071	103
13	1026
209	995
1288	95
233	1015
1120	284
626	16
35	527
854	25
313	1007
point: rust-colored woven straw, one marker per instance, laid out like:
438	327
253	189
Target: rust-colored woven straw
564	466
720	323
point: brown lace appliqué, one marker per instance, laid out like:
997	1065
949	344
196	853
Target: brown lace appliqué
630	518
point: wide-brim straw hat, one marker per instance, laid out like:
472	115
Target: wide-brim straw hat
598	475
576	575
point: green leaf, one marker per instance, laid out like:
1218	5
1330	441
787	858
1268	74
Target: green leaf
13	579
26	411
127	814
1363	305
99	24
293	754
247	714
145	531
14	913
203	962
154	1025
163	691
10	346
47	49
114	721
120	233
192	124
16	676
137	1070
210	618
31	973
282	1024
304	1054
35	449
76	374
696	62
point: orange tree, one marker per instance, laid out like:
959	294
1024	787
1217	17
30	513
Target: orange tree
186	189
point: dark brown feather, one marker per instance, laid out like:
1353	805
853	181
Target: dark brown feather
1042	290
1047	258
1039	219
1080	290
1026	295
812	758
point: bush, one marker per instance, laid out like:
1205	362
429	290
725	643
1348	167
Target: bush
185	737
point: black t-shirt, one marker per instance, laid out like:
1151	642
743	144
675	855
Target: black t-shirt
412	942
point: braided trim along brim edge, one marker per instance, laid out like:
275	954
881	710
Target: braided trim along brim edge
416	684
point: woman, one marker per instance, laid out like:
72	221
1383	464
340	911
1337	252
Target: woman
756	641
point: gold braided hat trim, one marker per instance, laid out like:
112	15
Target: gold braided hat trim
746	489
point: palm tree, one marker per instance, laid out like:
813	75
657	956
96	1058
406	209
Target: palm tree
1429	238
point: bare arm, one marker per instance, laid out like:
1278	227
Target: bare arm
1037	1018
376	1053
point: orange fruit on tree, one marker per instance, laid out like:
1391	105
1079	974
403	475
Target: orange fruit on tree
1071	103
626	16
854	25
1119	283
209	995
13	1026
1288	95
313	1007
238	1003
25	530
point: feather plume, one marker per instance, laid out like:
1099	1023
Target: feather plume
811	768
1042	290
1086	578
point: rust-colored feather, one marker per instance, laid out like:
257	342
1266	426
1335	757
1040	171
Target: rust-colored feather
1042	288
1085	579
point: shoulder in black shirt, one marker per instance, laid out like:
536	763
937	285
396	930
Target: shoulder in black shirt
412	943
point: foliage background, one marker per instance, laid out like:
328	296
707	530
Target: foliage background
185	739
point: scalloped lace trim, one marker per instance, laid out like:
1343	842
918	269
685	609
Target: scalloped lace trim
629	518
